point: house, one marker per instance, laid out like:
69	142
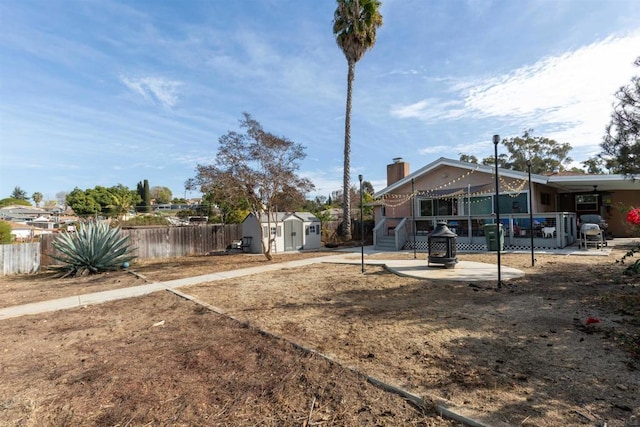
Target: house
18	213
292	231
463	194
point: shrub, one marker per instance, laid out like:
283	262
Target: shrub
142	220
5	232
633	218
94	248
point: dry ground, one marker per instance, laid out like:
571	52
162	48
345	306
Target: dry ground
523	355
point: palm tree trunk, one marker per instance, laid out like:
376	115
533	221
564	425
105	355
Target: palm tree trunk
346	178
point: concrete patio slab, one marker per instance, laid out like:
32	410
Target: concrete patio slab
464	271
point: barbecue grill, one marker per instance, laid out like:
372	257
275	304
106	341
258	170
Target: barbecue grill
442	246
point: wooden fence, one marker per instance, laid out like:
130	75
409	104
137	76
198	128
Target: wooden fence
167	242
20	258
150	242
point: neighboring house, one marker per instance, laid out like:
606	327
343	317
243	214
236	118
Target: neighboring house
19	213
292	231
21	232
43	222
463	194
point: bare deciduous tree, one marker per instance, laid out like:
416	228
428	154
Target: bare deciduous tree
255	166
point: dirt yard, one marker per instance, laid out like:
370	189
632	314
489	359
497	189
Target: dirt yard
523	355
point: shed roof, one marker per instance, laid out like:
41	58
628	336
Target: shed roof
281	216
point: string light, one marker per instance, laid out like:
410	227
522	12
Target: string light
514	189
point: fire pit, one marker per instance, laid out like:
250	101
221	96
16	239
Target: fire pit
442	246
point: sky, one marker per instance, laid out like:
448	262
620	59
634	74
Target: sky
107	92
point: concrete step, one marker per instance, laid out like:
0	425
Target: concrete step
386	243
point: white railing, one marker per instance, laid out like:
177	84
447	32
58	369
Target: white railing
549	229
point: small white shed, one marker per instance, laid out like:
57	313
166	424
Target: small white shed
293	231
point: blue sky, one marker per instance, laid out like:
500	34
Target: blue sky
102	92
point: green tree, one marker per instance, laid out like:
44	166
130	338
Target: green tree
621	143
144	197
546	155
162	195
37	197
114	201
10	201
468	158
502	161
102	196
367	188
50	204
355	23
82	202
5	233
19	193
594	165
256	166
121	200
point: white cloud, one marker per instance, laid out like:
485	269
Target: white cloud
435	149
566	97
430	109
157	89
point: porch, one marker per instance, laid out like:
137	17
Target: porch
550	230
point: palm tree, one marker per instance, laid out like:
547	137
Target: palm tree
37	197
354	24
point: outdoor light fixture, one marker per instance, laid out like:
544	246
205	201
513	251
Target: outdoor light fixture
533	260
496	141
361	225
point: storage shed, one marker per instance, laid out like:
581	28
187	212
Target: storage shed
293	231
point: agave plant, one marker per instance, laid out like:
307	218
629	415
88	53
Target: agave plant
93	249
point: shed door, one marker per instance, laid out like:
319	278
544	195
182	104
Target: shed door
292	235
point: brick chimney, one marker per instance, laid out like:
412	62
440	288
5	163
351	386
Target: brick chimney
397	170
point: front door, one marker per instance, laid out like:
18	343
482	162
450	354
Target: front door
292	235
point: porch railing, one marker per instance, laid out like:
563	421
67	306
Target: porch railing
550	230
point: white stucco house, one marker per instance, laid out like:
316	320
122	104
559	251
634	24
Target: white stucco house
293	231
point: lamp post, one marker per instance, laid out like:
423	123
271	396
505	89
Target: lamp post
496	141
413	214
361	226
533	259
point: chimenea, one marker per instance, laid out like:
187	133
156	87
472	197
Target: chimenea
442	246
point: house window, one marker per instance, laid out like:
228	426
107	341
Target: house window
586	202
431	207
508	203
446	206
545	198
274	230
426	207
481	205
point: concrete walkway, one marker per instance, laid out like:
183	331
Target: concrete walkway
464	271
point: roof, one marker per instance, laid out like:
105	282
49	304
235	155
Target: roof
578	183
281	216
564	183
